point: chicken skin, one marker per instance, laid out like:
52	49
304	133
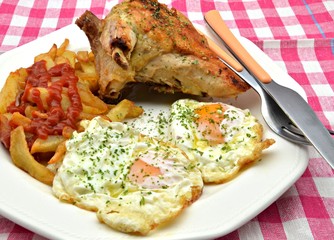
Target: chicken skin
143	41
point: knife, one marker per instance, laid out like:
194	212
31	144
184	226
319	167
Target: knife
296	108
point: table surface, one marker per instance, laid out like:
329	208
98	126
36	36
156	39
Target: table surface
297	34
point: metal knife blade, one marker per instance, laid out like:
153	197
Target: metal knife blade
300	113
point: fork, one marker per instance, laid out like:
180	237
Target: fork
274	116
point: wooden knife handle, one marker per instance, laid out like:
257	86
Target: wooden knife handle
214	19
222	54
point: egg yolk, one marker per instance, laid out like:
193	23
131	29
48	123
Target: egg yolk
141	169
208	120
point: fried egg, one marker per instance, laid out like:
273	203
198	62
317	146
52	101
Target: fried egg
134	183
219	137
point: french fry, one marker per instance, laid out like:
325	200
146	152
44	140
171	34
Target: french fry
13	85
70	56
22	158
67	132
86	71
57	55
63	47
135	111
82	56
59	154
91	103
19	120
87	65
52	53
40	114
46	145
43	94
91	56
122	110
119	112
49	57
49	62
28	112
65	101
38	105
5	129
89	79
61	59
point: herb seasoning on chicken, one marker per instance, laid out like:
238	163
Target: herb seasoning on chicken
143	41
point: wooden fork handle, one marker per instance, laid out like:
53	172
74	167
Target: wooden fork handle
214	19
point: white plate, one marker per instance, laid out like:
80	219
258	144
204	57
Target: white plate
220	210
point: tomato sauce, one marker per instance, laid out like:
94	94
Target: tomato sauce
54	117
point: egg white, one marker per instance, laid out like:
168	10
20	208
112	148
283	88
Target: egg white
94	175
217	162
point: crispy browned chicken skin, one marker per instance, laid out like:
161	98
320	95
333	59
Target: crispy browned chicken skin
144	41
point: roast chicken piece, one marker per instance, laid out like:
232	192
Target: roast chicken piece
143	41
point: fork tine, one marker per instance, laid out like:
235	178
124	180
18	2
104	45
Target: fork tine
293	137
293	128
284	130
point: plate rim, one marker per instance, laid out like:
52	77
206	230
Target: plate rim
27	223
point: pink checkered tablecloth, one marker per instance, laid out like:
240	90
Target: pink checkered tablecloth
297	34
